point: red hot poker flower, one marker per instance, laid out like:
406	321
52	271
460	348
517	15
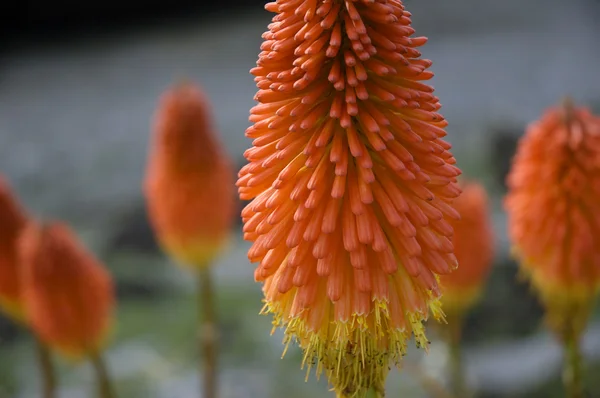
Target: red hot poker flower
12	221
69	295
351	185
474	249
553	207
189	183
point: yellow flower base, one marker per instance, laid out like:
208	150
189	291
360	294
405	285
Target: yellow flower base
14	310
354	354
457	301
195	254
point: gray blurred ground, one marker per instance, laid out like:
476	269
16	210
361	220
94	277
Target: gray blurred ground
75	117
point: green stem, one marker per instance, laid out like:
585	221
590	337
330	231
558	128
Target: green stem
208	332
573	368
457	372
459	387
105	388
46	369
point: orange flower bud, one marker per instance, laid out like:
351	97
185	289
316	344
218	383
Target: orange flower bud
189	184
68	294
473	247
351	186
553	208
12	221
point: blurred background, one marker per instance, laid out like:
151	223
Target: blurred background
79	85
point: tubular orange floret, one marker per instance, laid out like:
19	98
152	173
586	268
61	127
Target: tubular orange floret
474	249
189	184
68	293
350	185
553	207
12	220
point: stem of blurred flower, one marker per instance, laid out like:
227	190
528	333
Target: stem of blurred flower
105	389
46	369
208	332
457	378
573	367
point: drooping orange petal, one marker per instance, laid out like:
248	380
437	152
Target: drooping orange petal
350	185
189	185
68	294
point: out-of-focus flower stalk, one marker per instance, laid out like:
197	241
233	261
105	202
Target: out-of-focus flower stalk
457	379
105	388
209	333
573	367
47	370
189	190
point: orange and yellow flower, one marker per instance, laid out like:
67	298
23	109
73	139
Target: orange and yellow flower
68	294
351	186
189	184
553	207
12	220
474	249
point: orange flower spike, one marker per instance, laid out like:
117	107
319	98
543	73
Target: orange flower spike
553	208
12	221
68	293
474	249
189	184
351	186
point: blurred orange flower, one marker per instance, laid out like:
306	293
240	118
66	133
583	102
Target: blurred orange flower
553	207
68	294
189	184
12	220
474	248
351	186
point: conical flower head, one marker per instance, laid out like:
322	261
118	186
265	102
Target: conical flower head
351	185
68	293
12	221
553	208
189	184
474	249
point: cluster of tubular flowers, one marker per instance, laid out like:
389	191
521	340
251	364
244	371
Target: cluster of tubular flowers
13	219
553	207
68	294
189	185
50	283
351	186
474	249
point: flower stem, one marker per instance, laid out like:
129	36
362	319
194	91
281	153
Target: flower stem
105	389
457	376
457	372
208	332
573	368
46	369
